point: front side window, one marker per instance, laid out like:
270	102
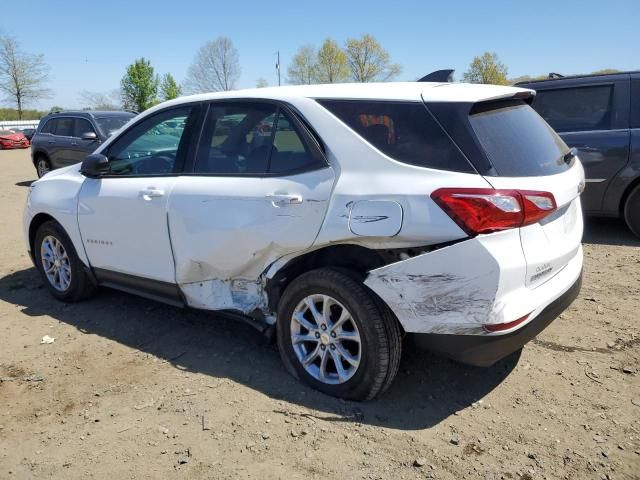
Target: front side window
82	126
155	146
50	126
576	109
404	131
252	138
112	123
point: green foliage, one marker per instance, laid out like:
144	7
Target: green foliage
169	88
369	62
302	70
331	63
12	114
605	71
487	68
139	86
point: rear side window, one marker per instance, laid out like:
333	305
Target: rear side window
516	140
64	127
404	131
635	103
576	109
252	138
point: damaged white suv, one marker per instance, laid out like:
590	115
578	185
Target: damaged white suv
342	217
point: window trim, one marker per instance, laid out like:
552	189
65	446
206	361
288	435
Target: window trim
93	128
306	137
187	138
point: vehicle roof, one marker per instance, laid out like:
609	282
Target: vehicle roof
574	77
408	91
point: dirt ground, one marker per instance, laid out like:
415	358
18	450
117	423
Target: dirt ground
135	389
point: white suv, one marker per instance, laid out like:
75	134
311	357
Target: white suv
341	217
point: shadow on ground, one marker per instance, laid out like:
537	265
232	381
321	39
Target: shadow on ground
608	231
427	390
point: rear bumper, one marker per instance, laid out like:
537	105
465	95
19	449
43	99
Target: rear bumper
485	350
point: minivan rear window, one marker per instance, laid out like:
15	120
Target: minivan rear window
404	131
517	141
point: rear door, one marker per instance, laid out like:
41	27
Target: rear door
593	118
60	147
258	190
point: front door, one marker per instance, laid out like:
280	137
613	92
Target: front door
123	215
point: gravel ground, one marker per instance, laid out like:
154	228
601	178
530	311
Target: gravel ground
135	389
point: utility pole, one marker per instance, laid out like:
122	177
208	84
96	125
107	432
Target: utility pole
278	67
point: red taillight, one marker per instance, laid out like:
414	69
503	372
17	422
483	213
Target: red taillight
486	210
501	327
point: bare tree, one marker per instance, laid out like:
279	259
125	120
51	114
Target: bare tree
101	100
215	68
22	75
369	62
262	83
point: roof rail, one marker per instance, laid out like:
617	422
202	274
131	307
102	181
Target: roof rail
135	112
555	75
439	76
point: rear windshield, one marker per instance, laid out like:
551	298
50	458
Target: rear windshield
110	124
518	142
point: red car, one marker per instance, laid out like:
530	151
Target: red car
11	139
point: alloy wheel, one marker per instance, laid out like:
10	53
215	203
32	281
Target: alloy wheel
326	339
43	167
55	263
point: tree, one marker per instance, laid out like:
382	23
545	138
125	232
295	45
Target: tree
369	62
169	88
139	86
302	70
101	101
215	68
22	75
331	63
605	71
487	69
262	83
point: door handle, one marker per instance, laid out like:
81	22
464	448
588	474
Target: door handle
51	142
283	200
149	193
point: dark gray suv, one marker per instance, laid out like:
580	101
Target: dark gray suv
600	116
65	138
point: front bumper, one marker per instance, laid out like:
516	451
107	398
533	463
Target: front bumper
485	350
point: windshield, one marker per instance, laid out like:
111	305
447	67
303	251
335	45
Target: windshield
518	142
110	124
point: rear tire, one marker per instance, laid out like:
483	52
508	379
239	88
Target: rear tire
356	341
62	271
632	211
43	166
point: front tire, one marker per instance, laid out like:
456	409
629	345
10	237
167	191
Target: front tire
632	211
62	271
336	336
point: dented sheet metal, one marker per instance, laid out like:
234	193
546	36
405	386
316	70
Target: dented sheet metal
440	291
243	295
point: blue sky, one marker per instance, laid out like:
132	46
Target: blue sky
89	44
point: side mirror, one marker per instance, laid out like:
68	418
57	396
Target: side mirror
94	165
89	136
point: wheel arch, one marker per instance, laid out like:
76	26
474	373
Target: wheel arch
35	224
630	188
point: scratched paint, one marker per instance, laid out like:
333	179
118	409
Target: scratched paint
431	294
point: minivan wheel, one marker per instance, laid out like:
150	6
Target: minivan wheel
43	166
632	211
336	336
62	271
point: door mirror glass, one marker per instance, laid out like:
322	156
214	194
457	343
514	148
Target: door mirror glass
94	165
89	136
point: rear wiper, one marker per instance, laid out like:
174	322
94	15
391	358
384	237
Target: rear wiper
567	157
